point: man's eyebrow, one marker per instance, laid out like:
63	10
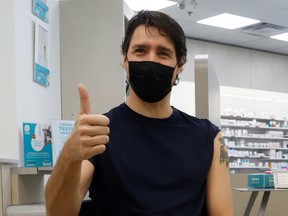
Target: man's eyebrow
159	48
135	46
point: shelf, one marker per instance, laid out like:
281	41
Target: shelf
259	158
255	148
31	170
250	118
278	159
257	133
27	184
247	127
8	161
251	157
250	167
248	137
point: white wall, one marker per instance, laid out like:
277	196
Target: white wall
26	100
183	97
254	103
8	126
246	71
240	67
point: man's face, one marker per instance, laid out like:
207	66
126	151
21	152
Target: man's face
150	45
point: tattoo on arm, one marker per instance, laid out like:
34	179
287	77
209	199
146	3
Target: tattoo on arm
221	140
223	153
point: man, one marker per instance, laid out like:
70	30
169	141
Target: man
144	157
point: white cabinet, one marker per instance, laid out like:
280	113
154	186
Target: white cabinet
255	143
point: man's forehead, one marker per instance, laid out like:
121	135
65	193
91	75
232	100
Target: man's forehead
145	35
149	31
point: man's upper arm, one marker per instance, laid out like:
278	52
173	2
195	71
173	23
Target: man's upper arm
87	171
219	192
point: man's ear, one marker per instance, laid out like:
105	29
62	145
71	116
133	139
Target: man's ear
179	69
125	63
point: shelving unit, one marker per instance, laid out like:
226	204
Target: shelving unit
28	184
5	184
255	143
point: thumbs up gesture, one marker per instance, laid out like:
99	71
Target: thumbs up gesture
90	133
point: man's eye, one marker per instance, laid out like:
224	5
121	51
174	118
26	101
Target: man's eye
164	54
139	51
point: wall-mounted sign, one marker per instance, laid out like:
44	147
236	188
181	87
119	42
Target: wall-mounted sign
37	145
41	71
40	9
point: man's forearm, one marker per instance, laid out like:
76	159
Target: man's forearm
62	192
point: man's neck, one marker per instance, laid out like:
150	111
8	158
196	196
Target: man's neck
161	109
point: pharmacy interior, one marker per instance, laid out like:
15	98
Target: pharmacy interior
252	97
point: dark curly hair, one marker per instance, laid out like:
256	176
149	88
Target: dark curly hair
166	26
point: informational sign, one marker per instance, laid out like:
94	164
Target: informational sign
37	151
41	71
40	9
61	130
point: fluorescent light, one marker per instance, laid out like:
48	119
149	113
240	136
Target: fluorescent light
281	101
263	99
137	5
283	36
246	97
228	21
228	95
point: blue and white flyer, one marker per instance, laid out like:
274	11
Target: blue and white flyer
61	130
41	71
37	145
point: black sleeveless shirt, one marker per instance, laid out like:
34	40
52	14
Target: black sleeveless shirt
152	166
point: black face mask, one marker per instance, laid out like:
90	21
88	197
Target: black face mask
150	81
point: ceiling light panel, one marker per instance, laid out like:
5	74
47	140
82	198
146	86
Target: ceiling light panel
137	5
228	21
283	36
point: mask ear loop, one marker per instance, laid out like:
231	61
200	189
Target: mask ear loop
127	83
177	80
127	86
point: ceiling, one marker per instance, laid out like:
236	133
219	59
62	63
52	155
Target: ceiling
272	13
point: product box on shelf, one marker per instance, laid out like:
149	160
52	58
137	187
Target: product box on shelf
260	180
280	178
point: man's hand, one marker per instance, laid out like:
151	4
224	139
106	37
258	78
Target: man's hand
90	133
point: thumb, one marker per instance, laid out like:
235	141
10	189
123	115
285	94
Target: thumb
84	99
